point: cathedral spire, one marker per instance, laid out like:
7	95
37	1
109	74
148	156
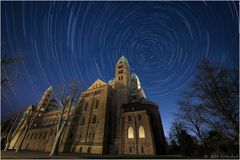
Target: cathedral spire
122	59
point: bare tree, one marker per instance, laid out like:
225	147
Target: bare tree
5	61
68	100
26	124
11	134
212	100
191	117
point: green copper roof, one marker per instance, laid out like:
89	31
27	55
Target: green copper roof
50	88
134	75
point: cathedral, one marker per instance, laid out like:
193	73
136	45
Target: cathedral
112	118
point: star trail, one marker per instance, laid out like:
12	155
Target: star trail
163	42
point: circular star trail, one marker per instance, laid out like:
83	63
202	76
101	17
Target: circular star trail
163	41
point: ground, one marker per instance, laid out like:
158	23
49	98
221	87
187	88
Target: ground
41	155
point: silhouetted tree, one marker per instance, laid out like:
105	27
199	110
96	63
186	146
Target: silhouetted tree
181	140
5	61
213	98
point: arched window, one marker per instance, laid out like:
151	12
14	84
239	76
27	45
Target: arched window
89	150
141	132
96	104
83	121
129	118
130	132
71	135
94	119
86	106
139	117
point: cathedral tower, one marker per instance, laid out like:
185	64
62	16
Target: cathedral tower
122	80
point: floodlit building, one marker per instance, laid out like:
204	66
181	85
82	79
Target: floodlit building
111	118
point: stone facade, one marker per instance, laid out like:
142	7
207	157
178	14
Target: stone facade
111	118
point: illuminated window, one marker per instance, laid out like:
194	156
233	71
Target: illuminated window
141	132
130	132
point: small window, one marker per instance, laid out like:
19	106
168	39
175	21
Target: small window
71	135
94	119
121	71
142	149
86	106
93	135
129	118
119	67
130	149
73	149
96	104
83	121
80	150
139	117
89	150
130	132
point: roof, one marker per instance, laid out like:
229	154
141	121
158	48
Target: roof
146	101
134	75
50	88
96	84
143	104
123	59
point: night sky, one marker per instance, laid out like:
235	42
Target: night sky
163	41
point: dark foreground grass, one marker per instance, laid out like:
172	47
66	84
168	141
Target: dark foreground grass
43	155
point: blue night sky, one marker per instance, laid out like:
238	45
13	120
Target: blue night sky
163	41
